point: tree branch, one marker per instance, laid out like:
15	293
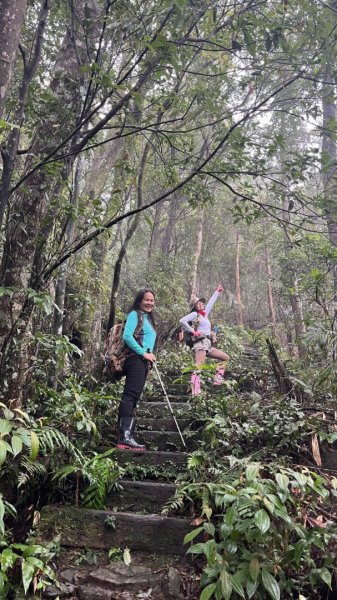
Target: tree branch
47	273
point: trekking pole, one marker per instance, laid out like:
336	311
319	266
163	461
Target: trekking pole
169	403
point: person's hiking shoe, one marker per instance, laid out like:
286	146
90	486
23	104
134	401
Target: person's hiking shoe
195	384
219	376
126	440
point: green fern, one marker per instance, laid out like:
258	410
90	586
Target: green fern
52	439
100	473
30	469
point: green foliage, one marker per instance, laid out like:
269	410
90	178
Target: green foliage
22	440
117	554
75	408
31	560
254	532
322	340
19	448
101	473
166	472
246	423
15	434
88	556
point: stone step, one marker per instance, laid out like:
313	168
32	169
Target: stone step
140	496
151	464
154	577
161	424
164	440
172	388
101	529
161	409
159	397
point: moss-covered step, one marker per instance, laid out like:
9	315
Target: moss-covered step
161	424
161	409
157	397
140	496
154	465
100	529
165	440
149	457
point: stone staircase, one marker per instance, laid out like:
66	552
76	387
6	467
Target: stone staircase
132	519
159	569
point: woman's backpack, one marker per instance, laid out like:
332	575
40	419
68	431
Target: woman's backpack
116	351
188	340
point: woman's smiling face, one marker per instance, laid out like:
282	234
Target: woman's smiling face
199	305
147	303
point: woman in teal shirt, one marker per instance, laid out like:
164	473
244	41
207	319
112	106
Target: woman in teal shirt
136	365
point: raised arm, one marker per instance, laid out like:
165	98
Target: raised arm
213	299
211	302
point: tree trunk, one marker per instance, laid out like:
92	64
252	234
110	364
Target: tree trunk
270	294
12	14
9	151
329	167
297	309
22	256
286	385
196	254
166	242
154	238
129	234
92	336
291	281
94	187
237	281
61	284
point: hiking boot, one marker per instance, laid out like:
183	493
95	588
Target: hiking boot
195	384
126	440
219	376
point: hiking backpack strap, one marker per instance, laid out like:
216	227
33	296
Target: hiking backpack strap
138	333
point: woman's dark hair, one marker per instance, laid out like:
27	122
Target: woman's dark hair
136	303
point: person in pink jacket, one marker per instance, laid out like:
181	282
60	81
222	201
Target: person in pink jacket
198	324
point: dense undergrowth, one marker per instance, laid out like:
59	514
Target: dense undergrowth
262	507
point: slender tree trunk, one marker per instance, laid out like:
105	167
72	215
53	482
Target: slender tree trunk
329	168
172	215
237	280
92	319
92	336
290	277
197	253
154	238
129	234
166	242
270	294
9	151
61	284
12	14
297	309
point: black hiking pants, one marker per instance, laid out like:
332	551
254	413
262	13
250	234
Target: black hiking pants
136	370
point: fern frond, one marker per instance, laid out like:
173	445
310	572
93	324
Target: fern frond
30	470
52	439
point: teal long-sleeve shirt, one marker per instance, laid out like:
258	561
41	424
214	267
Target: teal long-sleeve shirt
148	333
